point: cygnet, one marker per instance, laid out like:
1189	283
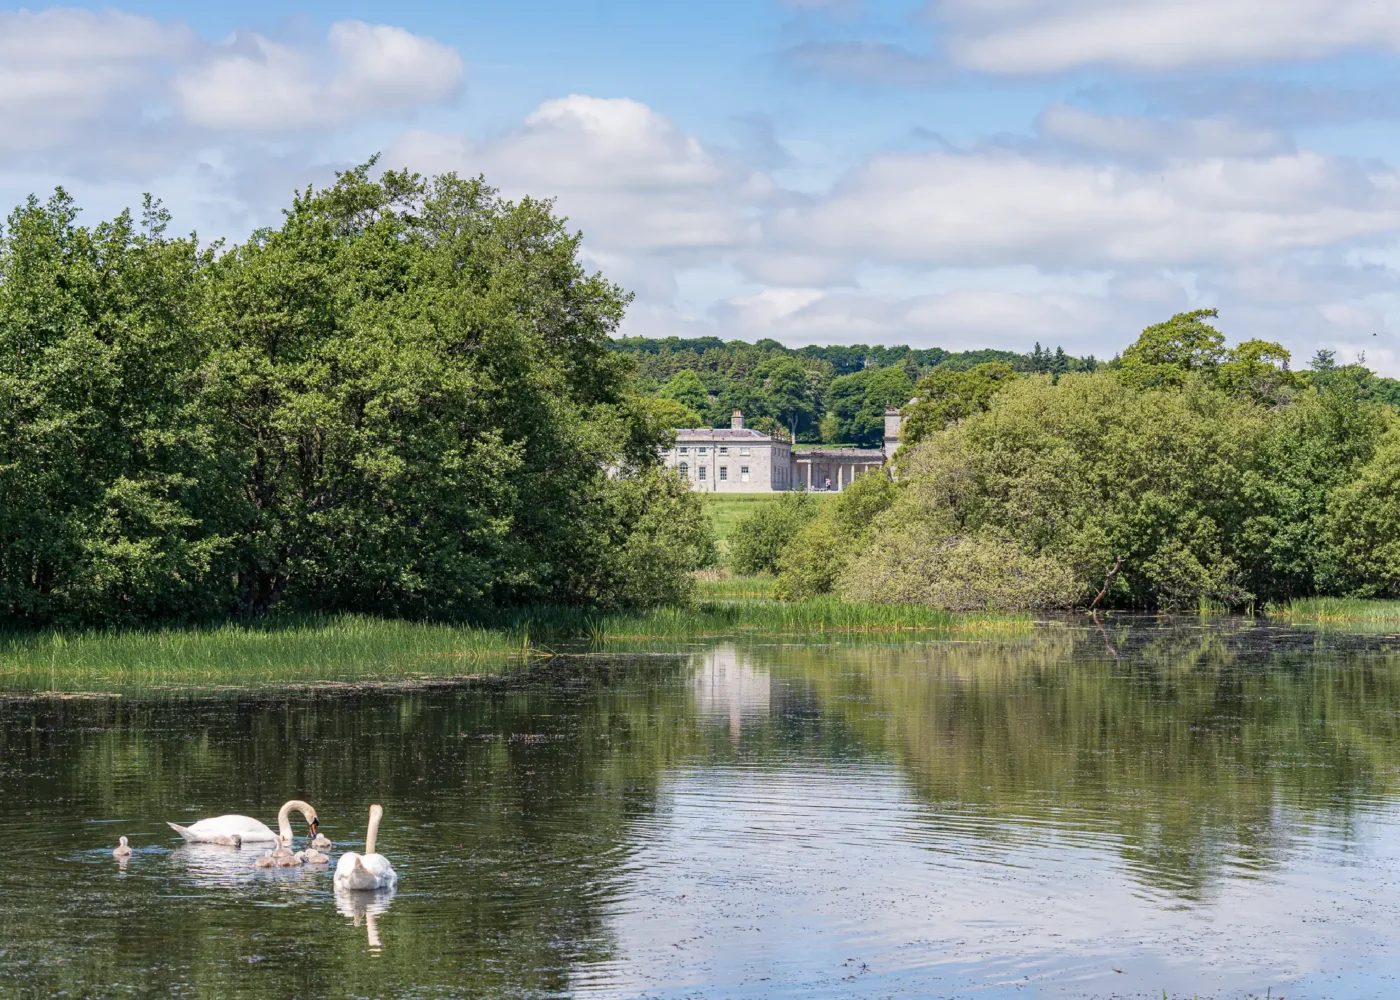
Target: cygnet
266	861
315	857
121	850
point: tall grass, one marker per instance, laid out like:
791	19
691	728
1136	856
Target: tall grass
352	648
1338	609
712	586
346	647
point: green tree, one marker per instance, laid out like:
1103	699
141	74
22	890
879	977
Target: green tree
1165	354
686	388
858	402
947	395
789	394
759	539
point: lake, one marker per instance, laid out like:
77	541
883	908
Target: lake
1198	806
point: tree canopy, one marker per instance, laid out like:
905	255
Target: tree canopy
402	400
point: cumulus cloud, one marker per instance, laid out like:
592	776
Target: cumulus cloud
623	172
1011	207
255	84
1047	36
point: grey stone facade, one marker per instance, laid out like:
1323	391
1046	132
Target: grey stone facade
740	460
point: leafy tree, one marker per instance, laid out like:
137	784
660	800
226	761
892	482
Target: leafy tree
947	395
1165	354
402	400
686	388
788	394
759	539
858	402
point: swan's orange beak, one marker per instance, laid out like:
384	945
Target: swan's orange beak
315	826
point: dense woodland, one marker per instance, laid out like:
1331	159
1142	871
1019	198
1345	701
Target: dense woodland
401	401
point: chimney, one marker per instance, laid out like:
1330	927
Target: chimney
736	422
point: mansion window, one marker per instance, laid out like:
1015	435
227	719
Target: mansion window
701	450
724	451
743	473
702	473
743	453
683	450
685	470
723	473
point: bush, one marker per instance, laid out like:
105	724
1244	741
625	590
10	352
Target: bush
816	557
1212	497
760	538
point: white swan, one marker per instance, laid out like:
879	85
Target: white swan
369	870
221	829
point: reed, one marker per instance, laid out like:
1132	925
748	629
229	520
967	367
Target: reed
353	648
345	647
1338	609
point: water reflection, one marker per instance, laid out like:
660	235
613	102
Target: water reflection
213	866
732	687
1208	806
365	908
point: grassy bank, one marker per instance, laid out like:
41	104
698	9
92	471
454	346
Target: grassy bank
353	648
1338	609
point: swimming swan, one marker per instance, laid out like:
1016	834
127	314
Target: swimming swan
221	829
370	870
314	857
121	850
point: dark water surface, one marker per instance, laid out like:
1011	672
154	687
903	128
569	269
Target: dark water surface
1200	807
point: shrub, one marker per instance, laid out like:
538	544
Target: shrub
760	538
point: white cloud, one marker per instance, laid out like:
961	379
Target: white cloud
960	209
628	176
1043	36
61	69
253	83
1135	135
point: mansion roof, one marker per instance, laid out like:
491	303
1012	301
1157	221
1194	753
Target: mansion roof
721	434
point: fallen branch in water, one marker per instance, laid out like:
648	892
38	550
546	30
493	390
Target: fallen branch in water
1108	581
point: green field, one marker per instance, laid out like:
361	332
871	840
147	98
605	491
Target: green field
727	510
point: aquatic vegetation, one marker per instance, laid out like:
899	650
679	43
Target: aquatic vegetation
356	648
1338	609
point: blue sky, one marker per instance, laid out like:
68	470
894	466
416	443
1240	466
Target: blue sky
960	173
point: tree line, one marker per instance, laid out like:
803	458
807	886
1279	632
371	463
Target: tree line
833	395
402	400
1180	475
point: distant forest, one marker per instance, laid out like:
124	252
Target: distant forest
835	395
830	395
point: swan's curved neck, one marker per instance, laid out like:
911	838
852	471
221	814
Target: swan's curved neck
284	823
376	813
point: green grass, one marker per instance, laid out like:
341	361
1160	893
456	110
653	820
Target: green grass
726	510
711	587
342	648
1338	609
356	649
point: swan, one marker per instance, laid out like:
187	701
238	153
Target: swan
209	831
121	850
370	870
315	857
290	861
321	842
266	861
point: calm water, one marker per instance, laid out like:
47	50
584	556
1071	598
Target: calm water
1200	808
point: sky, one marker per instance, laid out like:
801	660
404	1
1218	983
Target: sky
938	173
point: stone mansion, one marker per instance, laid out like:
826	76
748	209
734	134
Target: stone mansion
738	459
